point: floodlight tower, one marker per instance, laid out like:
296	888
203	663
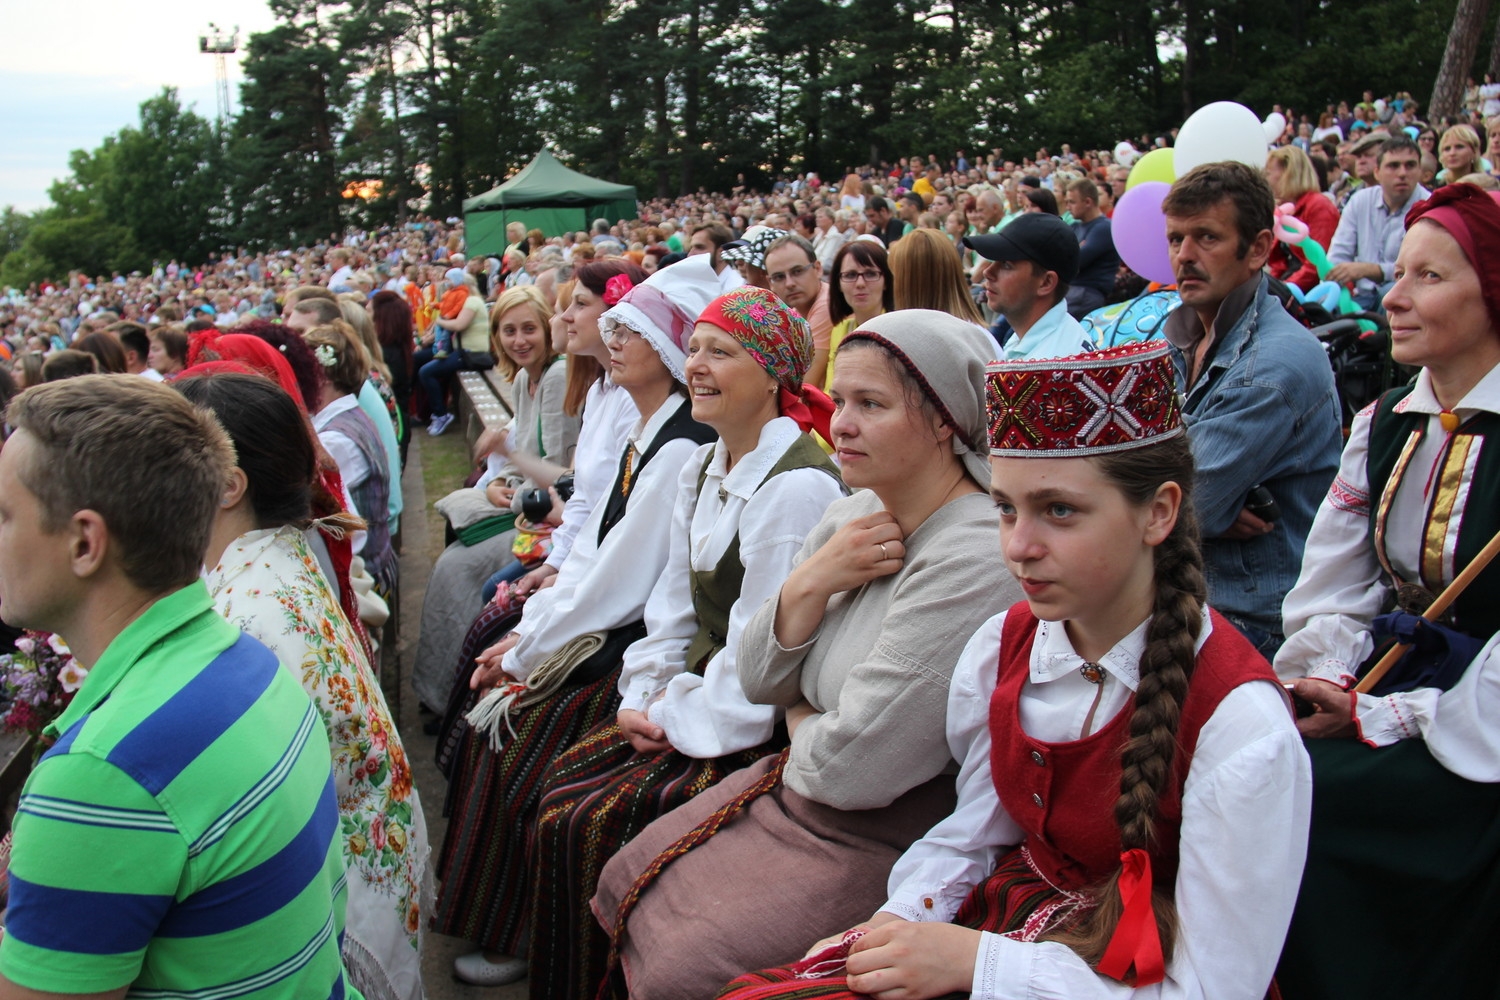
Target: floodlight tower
220	44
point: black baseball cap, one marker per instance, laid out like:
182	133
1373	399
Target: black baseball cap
1035	236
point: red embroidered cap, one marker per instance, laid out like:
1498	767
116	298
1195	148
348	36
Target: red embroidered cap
1088	404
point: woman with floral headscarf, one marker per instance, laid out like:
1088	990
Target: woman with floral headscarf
744	505
856	646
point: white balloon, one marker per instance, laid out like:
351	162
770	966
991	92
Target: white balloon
1275	124
1220	131
1125	153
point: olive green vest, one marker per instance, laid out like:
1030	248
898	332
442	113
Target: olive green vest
716	590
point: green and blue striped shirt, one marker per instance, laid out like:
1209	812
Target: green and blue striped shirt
181	836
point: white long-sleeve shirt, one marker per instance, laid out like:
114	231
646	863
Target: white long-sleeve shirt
608	415
1342	587
602	587
709	716
1246	808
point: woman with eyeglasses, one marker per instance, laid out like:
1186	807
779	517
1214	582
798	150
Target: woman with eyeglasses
860	290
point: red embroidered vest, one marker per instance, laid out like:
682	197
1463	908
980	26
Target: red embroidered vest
1063	794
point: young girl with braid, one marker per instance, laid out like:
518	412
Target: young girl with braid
1133	800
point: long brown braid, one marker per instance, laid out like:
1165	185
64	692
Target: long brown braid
1166	666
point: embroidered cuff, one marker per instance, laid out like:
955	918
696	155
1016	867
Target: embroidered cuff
1333	670
1002	965
1386	720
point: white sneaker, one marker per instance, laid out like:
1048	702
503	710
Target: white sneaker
474	968
440	424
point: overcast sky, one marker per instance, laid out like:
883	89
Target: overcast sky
72	73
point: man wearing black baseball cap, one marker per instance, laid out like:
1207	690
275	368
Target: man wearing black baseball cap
1026	280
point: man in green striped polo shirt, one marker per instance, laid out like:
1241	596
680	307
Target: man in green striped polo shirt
179	838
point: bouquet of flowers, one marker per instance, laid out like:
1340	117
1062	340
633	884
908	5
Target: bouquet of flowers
39	679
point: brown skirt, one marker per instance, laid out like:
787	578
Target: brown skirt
783	874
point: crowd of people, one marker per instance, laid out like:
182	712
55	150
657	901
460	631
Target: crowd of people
833	618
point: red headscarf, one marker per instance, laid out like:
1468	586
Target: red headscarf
780	340
210	353
1471	215
257	357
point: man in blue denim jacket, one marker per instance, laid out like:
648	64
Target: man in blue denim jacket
1260	403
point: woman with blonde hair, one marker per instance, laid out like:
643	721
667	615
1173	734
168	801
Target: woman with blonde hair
1458	150
852	193
927	274
520	336
1293	180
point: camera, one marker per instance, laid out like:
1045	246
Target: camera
1262	504
537	504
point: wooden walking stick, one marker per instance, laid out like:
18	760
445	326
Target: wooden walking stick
1448	596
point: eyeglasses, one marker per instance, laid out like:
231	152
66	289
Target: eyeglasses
791	274
619	335
852	277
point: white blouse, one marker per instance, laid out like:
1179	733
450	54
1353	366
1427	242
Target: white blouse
601	587
1245	813
1342	587
709	715
608	415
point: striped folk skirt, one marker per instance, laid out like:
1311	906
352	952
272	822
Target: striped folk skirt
1013	900
488	876
597	797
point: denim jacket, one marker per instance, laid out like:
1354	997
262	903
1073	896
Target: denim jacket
1262	411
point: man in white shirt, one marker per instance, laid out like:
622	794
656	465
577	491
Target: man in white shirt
1030	263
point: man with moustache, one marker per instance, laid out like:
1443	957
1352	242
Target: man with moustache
1259	397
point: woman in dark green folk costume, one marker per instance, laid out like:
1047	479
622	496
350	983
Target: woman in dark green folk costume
1401	896
744	505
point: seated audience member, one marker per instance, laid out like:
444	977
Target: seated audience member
68	363
1294	181
105	347
315	310
1459	153
555	677
1026	280
927	274
1110	712
794	274
1259	402
744	505
748	254
859	289
137	346
1097	260
350	437
467	330
392	317
265	580
1368	238
188	788
1406	771
522	346
857	647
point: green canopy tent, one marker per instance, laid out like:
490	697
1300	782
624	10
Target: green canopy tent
545	195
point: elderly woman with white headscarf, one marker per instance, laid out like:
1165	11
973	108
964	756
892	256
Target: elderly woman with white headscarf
556	676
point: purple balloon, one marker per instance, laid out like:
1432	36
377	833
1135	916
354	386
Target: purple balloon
1140	231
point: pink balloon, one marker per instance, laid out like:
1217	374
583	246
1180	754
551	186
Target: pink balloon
1140	231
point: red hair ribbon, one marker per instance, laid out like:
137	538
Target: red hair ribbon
616	288
1136	941
811	409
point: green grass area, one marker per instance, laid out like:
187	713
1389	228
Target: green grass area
445	466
